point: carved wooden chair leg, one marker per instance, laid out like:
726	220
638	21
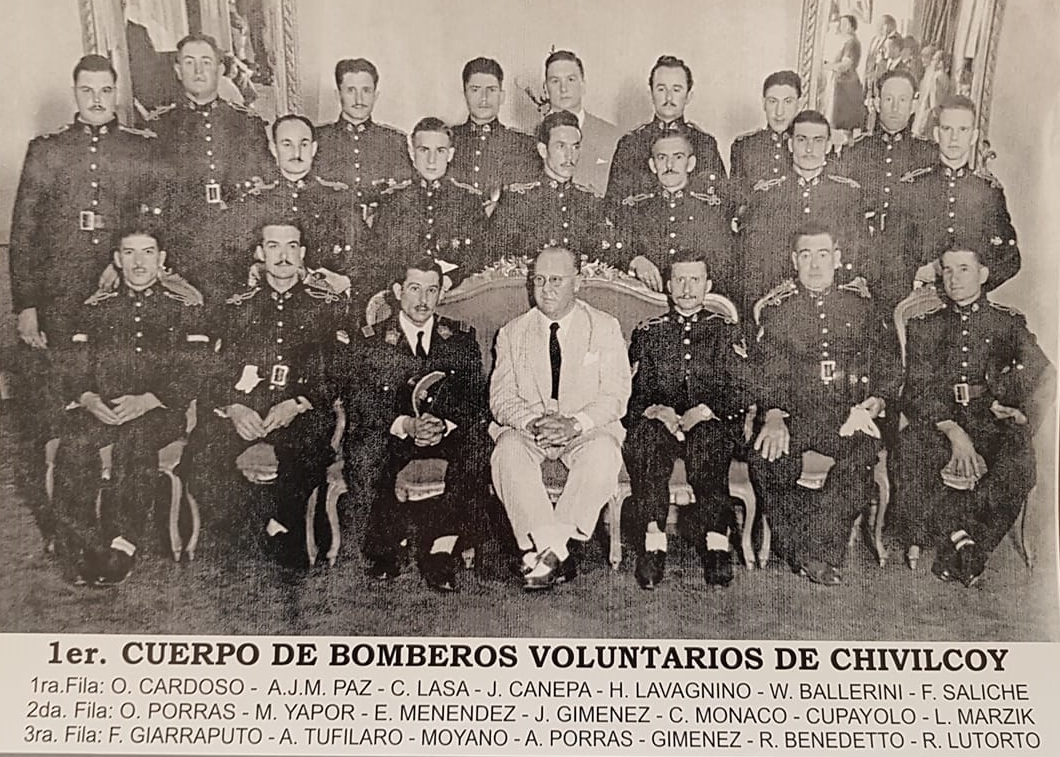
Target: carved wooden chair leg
196	525
767	543
336	488
1019	537
310	531
879	474
614	523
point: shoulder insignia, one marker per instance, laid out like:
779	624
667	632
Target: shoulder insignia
858	286
642	127
388	127
240	108
708	197
147	133
985	174
179	289
910	176
397	187
101	296
844	180
587	190
161	110
775	296
696	127
645	325
721	307
57	132
338	186
763	185
467	187
256	185
1004	308
859	138
318	287
634	200
241	297
368	332
745	135
522	188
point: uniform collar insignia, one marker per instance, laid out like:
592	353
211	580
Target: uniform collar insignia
101	130
137	294
775	136
200	107
668	195
898	136
424	184
809	182
282	296
674	125
486	127
951	173
683	319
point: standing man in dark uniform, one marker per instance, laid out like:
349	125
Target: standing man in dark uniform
277	342
554	209
764	154
488	154
949	200
365	155
807	191
687	402
823	370
390	426
336	234
673	215
209	147
878	161
972	396
131	369
670	83
75	185
433	212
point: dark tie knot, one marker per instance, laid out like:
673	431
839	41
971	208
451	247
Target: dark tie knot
553	327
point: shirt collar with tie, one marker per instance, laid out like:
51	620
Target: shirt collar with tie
564	324
411	331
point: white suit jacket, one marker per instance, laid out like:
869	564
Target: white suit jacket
595	381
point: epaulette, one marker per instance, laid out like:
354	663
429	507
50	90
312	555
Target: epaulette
708	197
138	132
397	186
587	190
858	286
844	180
697	127
763	185
390	128
643	126
338	186
318	287
177	288
468	187
645	325
161	110
746	134
910	176
240	108
241	297
860	138
256	185
522	188
774	297
633	200
101	296
984	173
1005	309
57	132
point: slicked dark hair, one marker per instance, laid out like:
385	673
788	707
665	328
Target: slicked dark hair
424	263
810	117
670	61
554	120
293	117
431	123
487	66
199	37
899	73
783	79
95	63
355	66
811	229
567	55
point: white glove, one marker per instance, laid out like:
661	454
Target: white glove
860	419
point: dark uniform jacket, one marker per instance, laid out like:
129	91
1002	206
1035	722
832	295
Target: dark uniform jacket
367	157
334	232
756	156
444	217
389	369
961	359
276	346
630	173
205	146
658	223
134	342
819	354
683	361
491	156
780	206
545	211
940	205
76	184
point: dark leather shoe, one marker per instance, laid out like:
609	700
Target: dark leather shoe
114	568
717	567
650	568
944	565
549	578
517	566
821	573
439	572
383	568
970	564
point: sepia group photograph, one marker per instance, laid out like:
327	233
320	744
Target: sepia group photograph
604	319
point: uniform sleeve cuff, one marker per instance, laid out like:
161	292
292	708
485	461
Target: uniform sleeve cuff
397	428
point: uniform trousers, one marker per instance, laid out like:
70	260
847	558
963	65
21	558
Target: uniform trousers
650	451
815	524
373	464
593	460
303	454
926	511
128	499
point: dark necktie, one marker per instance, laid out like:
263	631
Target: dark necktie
555	357
420	352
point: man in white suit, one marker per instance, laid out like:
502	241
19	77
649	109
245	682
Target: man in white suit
565	85
559	388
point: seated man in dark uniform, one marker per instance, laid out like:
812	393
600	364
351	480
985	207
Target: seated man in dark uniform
416	390
127	376
276	343
823	368
966	461
687	402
